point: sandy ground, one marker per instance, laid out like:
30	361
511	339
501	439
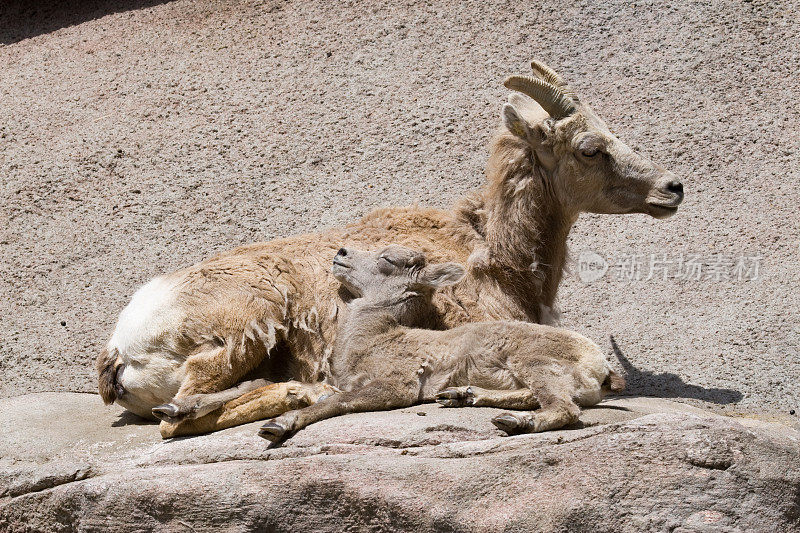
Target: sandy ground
138	137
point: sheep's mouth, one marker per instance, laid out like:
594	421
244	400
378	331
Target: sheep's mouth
662	210
336	262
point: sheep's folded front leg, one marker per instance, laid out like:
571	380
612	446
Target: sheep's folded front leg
258	404
210	381
198	405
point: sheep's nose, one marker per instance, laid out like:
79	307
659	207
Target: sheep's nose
675	186
342	252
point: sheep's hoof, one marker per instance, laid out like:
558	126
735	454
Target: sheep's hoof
167	412
185	408
456	397
177	411
511	424
274	432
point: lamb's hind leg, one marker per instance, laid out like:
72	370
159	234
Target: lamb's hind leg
375	396
477	397
556	412
257	404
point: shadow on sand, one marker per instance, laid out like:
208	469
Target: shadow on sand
668	385
23	19
126	418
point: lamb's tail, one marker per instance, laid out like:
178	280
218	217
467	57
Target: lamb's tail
614	382
107	370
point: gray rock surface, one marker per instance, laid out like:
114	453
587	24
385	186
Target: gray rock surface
139	136
633	464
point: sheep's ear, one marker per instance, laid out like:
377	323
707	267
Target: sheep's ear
441	275
513	117
534	134
515	123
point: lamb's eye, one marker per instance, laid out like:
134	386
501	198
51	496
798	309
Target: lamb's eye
590	152
386	266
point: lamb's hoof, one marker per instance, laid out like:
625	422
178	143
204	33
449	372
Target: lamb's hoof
456	397
167	412
323	391
511	424
274	432
325	396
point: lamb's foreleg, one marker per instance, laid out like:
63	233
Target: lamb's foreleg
556	412
378	395
477	397
252	406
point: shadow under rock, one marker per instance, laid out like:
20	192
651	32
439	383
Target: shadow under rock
23	19
126	418
668	385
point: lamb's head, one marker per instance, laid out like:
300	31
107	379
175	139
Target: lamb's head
588	168
393	276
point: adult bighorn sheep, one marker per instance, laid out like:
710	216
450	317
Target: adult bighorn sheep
379	364
270	309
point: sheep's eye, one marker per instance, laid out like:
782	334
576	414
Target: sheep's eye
590	152
391	262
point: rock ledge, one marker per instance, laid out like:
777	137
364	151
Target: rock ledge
634	464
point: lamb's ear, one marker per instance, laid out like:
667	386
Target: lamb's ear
441	275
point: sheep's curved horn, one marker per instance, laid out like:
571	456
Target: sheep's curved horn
553	78
546	95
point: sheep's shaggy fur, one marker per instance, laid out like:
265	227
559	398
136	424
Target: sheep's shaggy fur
270	309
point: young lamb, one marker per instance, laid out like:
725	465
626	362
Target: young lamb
381	364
